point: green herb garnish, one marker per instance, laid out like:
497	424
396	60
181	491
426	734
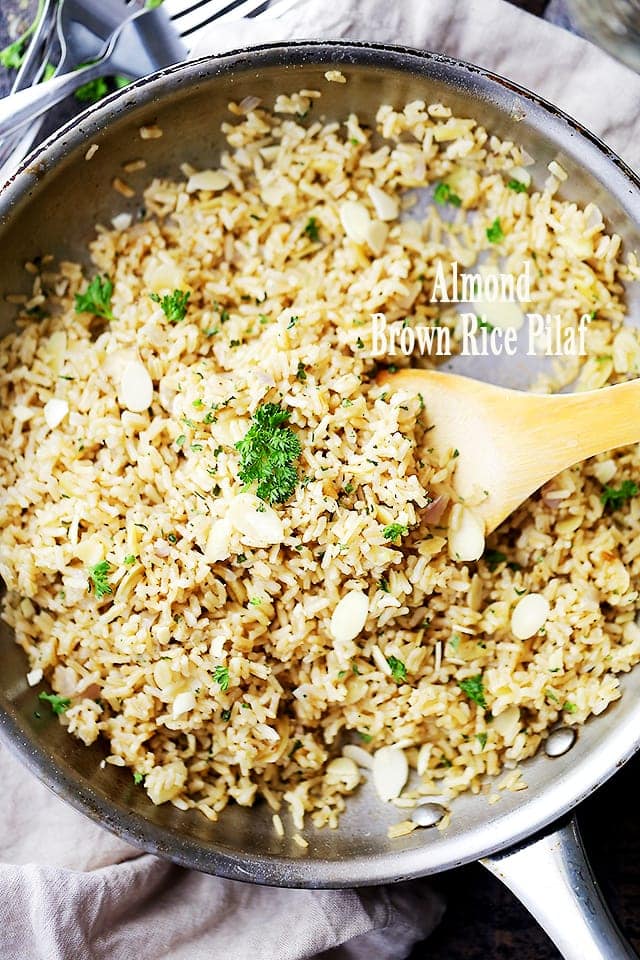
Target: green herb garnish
96	299
130	560
92	91
225	715
98	579
57	703
393	531
482	739
267	454
614	497
398	669
138	777
174	305
444	194
365	737
517	186
13	55
221	677
493	559
312	230
494	232
569	707
301	373
473	687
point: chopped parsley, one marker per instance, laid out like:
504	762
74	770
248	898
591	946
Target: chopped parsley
398	669
482	739
517	185
180	440
174	305
383	584
443	194
296	746
138	777
256	601
495	233
393	531
92	91
454	642
292	323
301	373
221	677
130	560
485	325
365	737
12	56
98	580
267	454
57	703
96	299
311	229
569	707
225	715
493	559
473	687
614	497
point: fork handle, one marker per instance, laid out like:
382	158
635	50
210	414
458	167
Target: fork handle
24	106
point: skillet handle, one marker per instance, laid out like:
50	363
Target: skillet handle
552	877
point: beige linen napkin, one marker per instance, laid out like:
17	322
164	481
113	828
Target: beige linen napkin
71	891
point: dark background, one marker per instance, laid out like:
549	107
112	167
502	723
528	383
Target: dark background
483	920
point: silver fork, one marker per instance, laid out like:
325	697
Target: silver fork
147	39
82	31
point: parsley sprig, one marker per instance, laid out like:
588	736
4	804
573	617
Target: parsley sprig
614	497
174	305
312	230
267	454
444	194
96	299
11	57
98	580
398	669
58	704
495	233
393	531
221	677
473	687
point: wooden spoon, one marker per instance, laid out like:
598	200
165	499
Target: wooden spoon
509	443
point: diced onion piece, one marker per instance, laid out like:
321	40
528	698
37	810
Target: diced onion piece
136	387
55	411
183	703
349	616
207	180
343	770
529	615
424	755
466	534
34	677
386	207
390	772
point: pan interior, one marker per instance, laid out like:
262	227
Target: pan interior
52	207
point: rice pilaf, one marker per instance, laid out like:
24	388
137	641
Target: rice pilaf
193	625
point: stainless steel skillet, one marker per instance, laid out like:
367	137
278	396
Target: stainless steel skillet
51	206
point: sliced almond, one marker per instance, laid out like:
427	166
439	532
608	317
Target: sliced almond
136	387
55	411
390	772
349	616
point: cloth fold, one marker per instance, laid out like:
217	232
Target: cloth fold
72	891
